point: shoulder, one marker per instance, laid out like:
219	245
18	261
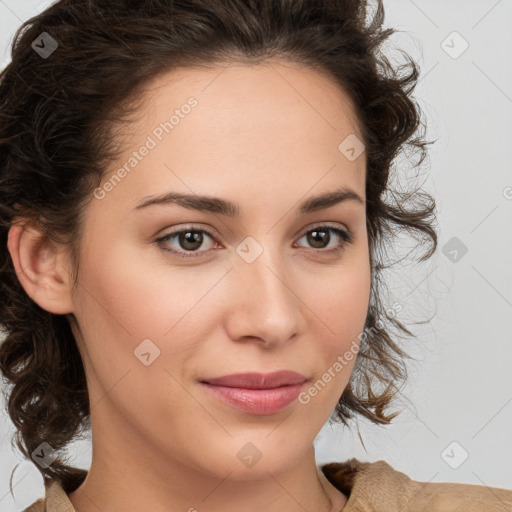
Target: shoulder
38	506
376	486
55	500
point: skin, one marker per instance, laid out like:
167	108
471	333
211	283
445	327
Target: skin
264	136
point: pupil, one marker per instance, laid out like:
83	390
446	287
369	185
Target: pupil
315	238
191	237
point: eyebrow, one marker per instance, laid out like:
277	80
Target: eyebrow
230	209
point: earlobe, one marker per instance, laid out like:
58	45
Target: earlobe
41	267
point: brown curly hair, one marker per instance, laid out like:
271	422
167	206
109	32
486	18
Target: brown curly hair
56	139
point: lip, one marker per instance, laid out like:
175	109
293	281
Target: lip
252	380
256	393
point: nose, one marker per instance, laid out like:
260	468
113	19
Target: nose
263	305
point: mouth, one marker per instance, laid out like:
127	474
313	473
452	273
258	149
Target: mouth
253	380
256	393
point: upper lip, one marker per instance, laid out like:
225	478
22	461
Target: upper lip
258	380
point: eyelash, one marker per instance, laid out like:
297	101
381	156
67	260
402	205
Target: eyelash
346	237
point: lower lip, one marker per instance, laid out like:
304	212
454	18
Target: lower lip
256	401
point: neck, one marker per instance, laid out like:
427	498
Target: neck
129	473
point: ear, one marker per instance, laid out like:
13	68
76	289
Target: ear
42	267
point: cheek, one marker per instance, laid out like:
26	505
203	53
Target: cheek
343	299
139	295
123	301
342	306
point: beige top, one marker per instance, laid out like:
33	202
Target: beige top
371	487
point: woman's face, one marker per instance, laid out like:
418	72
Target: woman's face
261	287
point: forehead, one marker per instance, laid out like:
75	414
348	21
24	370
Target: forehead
271	125
224	90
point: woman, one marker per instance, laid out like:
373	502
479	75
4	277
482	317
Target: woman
195	202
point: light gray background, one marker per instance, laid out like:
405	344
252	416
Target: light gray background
460	387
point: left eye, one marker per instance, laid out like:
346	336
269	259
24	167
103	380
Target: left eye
323	233
191	239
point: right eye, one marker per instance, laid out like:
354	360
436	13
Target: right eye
188	241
